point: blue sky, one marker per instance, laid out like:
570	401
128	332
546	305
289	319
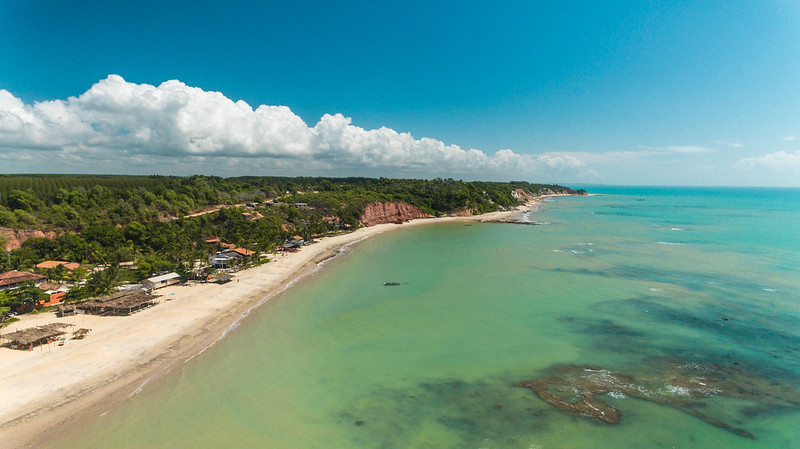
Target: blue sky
614	92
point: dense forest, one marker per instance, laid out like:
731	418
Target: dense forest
76	202
107	220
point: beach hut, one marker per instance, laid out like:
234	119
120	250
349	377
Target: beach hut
120	303
34	336
222	278
161	281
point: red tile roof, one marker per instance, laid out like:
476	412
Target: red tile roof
13	277
242	251
50	264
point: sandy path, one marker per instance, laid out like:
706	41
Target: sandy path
52	386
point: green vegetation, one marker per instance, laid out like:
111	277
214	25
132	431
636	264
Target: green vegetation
107	220
26	296
76	202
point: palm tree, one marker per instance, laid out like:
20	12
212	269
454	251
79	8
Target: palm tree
104	283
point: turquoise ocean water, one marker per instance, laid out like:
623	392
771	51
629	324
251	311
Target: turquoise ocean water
636	281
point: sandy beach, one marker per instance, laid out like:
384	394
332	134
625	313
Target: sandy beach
54	386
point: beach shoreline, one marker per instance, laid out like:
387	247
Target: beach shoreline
53	389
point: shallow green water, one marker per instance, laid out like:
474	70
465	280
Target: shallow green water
622	281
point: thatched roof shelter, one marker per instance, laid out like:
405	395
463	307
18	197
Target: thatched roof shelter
120	303
222	278
34	336
80	333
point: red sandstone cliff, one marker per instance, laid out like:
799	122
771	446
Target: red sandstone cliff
377	213
13	238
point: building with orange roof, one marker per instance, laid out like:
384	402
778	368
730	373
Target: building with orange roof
12	279
48	264
242	252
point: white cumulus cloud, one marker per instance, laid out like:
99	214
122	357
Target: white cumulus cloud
117	123
779	162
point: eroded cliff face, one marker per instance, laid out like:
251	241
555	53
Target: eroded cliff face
522	195
378	213
13	238
462	213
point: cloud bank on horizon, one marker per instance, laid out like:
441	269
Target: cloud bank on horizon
121	127
145	126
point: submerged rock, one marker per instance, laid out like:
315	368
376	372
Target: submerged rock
576	390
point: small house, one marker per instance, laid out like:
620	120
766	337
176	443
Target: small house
57	293
240	252
220	260
293	244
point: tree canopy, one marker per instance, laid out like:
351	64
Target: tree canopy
106	220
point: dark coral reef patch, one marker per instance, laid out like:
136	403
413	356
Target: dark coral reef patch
580	390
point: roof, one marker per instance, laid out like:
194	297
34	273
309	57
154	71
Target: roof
36	335
163	277
222	278
243	251
121	300
47	264
14	277
50	264
51	286
293	244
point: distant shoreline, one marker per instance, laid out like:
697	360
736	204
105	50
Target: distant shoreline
54	390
